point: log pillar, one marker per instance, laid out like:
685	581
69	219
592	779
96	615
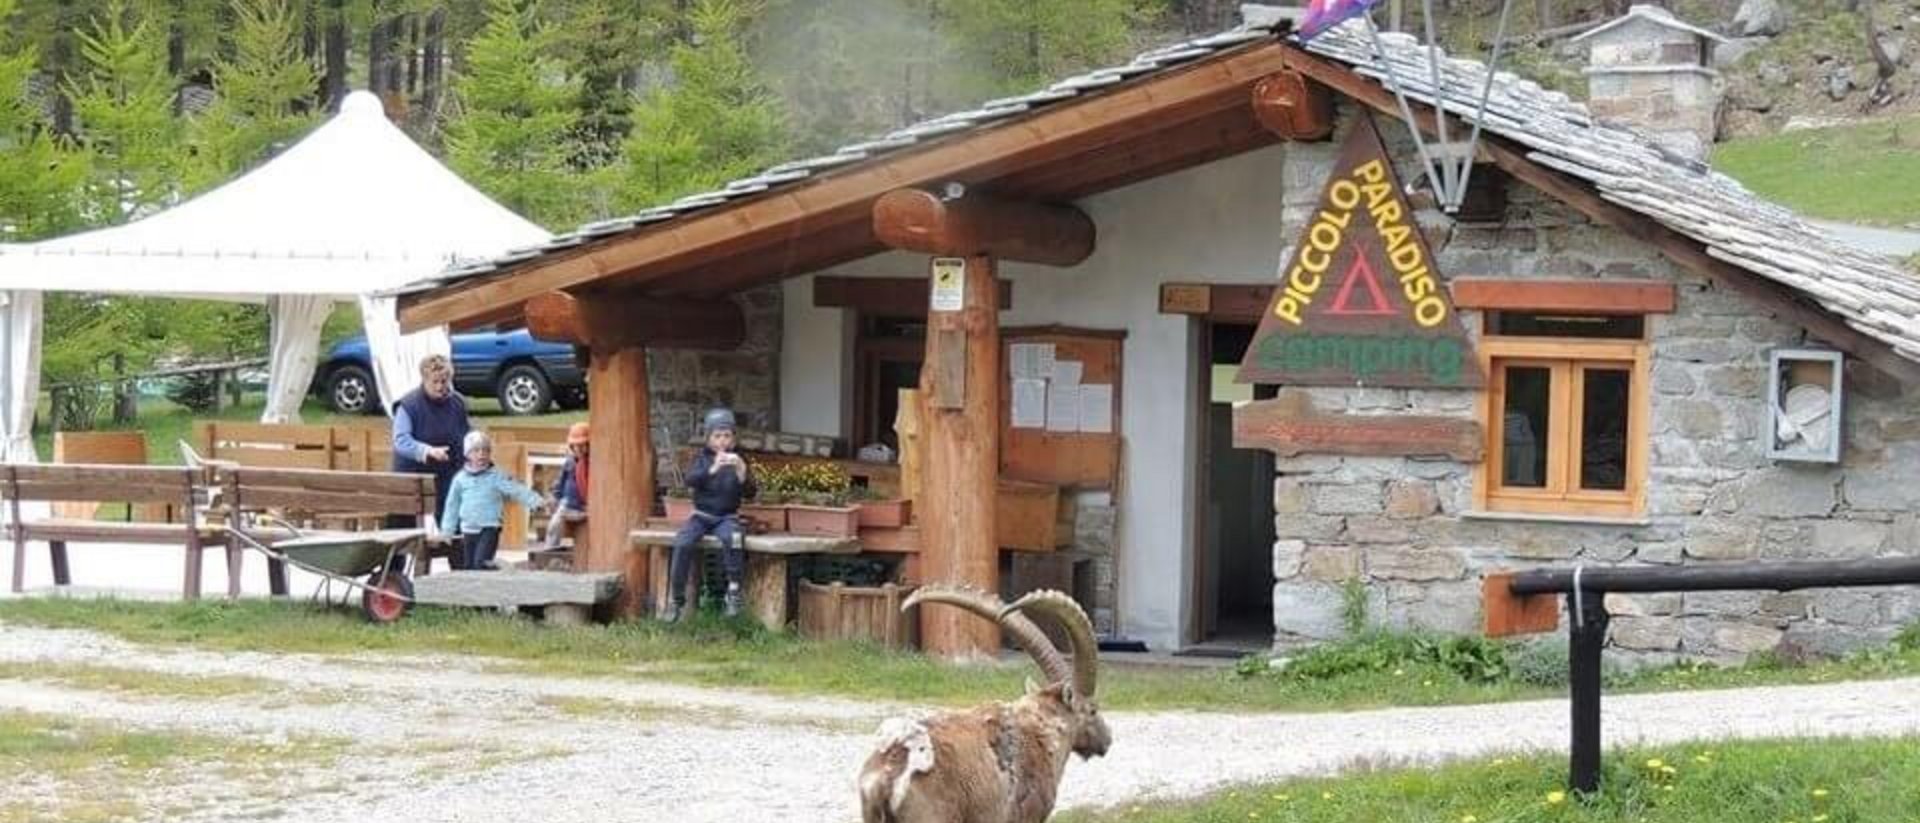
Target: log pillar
620	494
961	385
967	233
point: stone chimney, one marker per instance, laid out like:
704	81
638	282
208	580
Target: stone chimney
1653	72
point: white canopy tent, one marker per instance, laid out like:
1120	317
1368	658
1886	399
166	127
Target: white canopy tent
353	210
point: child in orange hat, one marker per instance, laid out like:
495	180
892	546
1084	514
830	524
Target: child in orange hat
570	491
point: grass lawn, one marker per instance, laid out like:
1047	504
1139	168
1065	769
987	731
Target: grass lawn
166	424
86	771
1862	173
717	653
1785	781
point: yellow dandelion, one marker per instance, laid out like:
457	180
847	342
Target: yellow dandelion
1282	798
1399	672
1467	818
1555	798
1667	788
1253	815
1701	758
1232	795
1819	792
1669	770
1326	795
1656	763
1819	818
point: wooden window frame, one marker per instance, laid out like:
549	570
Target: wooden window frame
1568	358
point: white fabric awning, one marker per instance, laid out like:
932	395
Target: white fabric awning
355	207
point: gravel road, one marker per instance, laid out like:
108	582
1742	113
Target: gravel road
455	739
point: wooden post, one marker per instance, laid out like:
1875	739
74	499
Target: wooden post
621	494
961	382
909	428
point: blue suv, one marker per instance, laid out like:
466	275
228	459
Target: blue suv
525	374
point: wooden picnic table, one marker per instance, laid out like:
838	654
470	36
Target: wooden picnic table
768	599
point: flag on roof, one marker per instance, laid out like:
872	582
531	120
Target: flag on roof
1325	14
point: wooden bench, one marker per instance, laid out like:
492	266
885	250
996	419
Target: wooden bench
767	558
302	496
107	484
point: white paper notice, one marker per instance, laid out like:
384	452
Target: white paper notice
949	283
1026	363
1029	403
1067	372
1042	360
1096	407
1063	408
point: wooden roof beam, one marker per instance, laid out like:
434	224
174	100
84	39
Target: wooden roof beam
1790	305
1061	131
968	224
614	321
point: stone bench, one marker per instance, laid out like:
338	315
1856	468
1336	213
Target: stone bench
562	597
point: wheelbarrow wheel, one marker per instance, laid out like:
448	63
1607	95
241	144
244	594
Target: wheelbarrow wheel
377	601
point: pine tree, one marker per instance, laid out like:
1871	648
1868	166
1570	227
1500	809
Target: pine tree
38	180
123	111
603	43
261	89
716	122
1029	43
512	135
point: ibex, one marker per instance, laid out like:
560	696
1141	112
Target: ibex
999	763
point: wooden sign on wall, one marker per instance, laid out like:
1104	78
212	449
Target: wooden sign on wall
1288	425
1361	302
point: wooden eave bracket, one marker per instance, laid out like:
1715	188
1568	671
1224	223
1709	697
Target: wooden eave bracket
973	224
1293	107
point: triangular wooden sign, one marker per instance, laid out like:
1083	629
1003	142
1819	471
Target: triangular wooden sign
1361	303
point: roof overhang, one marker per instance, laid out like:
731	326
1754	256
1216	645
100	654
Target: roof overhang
1159	124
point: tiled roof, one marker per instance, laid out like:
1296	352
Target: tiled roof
1869	293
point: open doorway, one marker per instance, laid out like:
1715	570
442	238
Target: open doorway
1235	533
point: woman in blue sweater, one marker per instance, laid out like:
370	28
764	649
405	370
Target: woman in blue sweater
476	501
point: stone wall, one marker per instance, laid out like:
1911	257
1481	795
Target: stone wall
1405	527
685	383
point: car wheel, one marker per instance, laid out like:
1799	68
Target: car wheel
572	399
350	390
524	390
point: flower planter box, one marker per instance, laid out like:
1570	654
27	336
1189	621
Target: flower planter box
679	509
884	514
774	516
870	613
822	521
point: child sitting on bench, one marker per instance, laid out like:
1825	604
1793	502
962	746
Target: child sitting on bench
719	480
570	491
476	500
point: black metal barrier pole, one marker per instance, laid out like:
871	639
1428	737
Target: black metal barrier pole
1586	591
1589	636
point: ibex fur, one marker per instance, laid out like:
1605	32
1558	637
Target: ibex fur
999	763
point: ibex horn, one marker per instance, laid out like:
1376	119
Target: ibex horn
1063	612
1025	634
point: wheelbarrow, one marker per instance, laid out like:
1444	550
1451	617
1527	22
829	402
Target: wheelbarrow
362	561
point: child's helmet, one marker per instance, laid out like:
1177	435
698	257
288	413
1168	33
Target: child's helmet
719	419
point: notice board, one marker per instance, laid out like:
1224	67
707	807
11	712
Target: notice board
1060	405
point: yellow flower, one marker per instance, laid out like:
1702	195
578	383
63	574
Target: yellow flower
1556	798
1231	795
1467	818
1253	815
1819	818
1326	795
1667	788
1280	798
1701	758
1668	770
1819	792
1656	763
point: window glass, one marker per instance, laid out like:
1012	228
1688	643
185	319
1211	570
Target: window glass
1605	326
1603	429
1526	431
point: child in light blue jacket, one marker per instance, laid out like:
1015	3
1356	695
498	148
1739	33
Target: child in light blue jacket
475	503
